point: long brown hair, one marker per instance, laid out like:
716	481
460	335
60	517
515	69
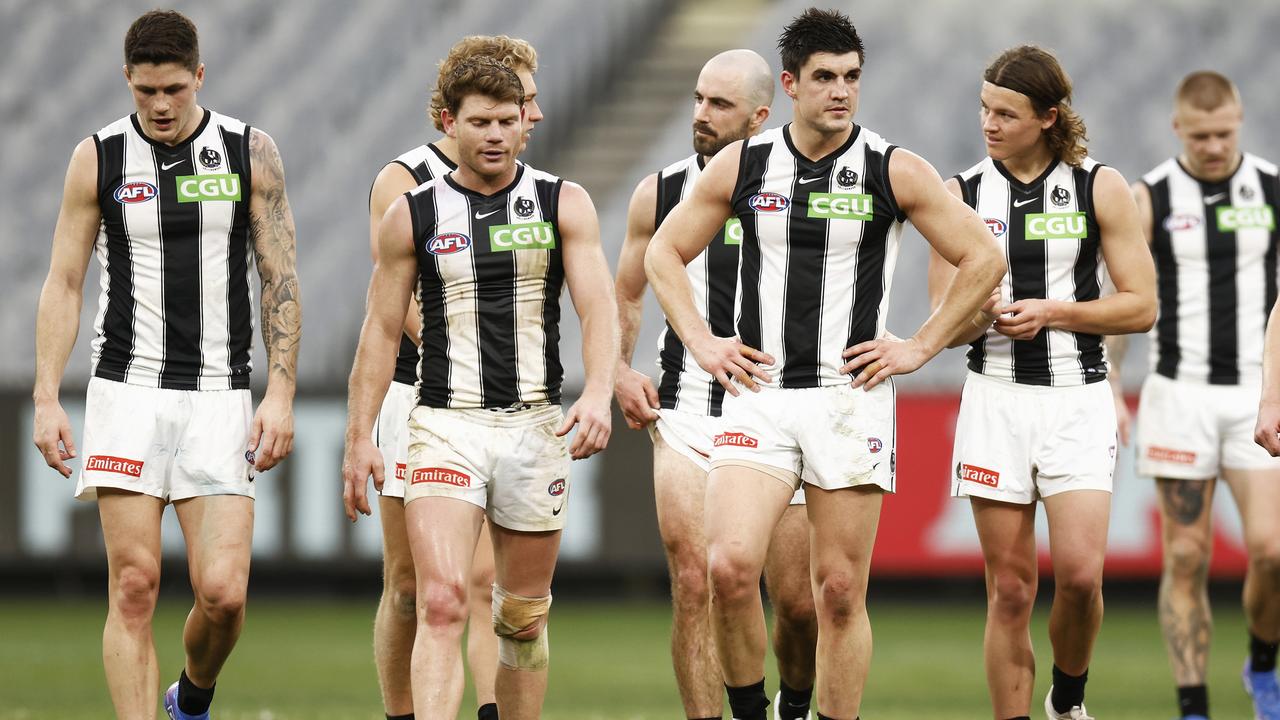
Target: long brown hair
1036	73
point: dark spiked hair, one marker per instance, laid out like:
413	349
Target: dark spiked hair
818	31
162	36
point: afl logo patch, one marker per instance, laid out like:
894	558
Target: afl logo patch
249	457
135	192
556	488
769	202
448	244
874	444
210	158
1174	223
996	226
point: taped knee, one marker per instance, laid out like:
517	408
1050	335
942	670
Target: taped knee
521	626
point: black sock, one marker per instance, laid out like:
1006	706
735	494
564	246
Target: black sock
400	717
193	700
1262	654
1068	690
1193	700
748	702
487	711
795	703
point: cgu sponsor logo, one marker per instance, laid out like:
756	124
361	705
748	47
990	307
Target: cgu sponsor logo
997	226
556	488
875	445
448	243
769	202
841	206
206	188
1182	221
443	476
736	440
733	231
980	475
118	465
1056	226
1231	218
135	192
522	236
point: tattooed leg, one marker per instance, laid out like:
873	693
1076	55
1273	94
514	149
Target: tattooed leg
1257	494
1185	620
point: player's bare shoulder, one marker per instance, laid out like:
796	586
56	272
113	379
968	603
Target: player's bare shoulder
914	179
642	211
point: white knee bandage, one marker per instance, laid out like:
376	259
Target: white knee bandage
512	614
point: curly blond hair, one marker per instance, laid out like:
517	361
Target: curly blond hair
515	53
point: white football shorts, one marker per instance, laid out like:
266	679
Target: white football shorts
833	437
170	444
692	435
1017	443
510	463
1187	431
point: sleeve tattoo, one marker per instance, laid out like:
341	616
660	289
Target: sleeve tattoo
274	248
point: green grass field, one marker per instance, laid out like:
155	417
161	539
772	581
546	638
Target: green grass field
301	660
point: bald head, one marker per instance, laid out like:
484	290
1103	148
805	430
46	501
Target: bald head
731	102
749	72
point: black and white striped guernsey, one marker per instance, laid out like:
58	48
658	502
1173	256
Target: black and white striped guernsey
1050	237
424	163
490	277
175	307
684	385
1215	248
819	243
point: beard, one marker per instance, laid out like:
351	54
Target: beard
713	142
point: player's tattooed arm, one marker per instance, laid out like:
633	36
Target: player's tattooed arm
271	223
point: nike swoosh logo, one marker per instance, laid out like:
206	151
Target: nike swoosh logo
558	508
806	181
1211	199
175	163
491	212
1020	203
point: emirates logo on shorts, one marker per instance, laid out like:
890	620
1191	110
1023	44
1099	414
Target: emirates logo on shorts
736	440
118	465
444	476
1182	457
400	468
980	475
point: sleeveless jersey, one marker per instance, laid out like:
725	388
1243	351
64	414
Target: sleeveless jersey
490	277
175	309
684	385
424	163
1051	242
819	243
1215	248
